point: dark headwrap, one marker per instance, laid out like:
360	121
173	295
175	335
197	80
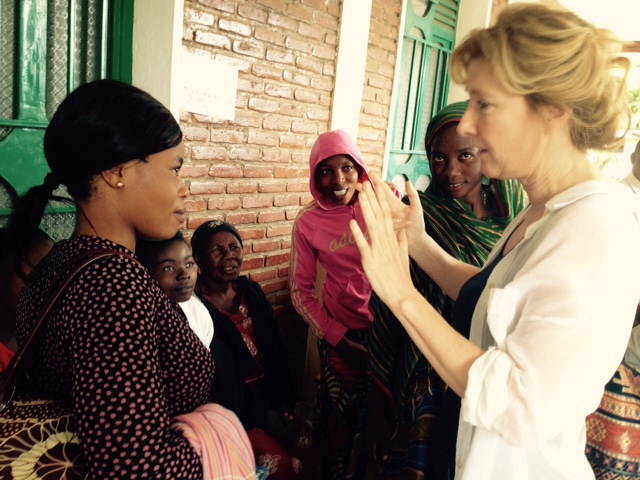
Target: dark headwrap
394	358
449	114
204	231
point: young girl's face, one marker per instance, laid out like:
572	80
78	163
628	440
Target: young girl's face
337	177
176	271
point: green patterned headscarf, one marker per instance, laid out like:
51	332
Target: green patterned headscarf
394	358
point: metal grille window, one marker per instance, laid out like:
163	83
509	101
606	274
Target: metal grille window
429	38
47	49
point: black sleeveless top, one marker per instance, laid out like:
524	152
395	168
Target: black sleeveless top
445	430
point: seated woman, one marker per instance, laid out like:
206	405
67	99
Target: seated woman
171	264
466	214
12	281
252	376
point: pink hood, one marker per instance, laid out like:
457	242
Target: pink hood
337	142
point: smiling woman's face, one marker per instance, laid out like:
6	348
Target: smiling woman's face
337	177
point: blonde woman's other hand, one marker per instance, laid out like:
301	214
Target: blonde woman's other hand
384	250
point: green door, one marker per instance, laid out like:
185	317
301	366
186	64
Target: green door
47	49
429	38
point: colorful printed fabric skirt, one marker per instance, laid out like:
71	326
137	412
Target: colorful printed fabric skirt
613	430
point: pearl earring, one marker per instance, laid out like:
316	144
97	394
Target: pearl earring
119	184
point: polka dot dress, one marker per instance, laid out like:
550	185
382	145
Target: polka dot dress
125	358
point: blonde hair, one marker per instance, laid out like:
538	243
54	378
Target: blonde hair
553	57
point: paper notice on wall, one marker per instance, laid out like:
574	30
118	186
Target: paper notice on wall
210	86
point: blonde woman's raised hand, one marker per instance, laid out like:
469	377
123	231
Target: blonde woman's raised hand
384	251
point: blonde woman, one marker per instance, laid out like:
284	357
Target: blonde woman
553	304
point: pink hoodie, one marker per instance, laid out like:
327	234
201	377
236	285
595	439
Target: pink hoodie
321	233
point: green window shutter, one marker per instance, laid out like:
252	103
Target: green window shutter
428	40
47	49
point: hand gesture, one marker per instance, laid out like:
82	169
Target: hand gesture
385	256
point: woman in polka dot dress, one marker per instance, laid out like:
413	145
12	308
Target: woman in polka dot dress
114	346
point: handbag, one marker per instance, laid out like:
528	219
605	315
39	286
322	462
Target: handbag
613	430
38	438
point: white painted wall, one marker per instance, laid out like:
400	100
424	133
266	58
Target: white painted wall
157	48
351	65
473	14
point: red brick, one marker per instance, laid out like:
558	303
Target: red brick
268	35
252	263
194	16
194	133
302	126
208	153
241	187
306	96
222	5
257	201
292	213
227	136
213	39
275	155
225	171
299	45
325	84
252	13
253	234
291	141
298	186
276	122
286	172
247	119
223	202
308	64
251	49
263	275
193	171
296	78
279	231
238	28
270	217
206	187
292	110
271	187
279	56
279	91
300	11
283	272
326	52
268	246
250	86
286	243
261	105
315	4
193	204
254	171
245	154
242	218
300	157
311	31
285	200
262	138
282	21
276	286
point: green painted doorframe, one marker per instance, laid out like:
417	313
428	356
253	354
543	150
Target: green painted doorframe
428	41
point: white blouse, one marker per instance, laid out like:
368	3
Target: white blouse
554	321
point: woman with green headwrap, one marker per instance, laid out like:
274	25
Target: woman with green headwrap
466	214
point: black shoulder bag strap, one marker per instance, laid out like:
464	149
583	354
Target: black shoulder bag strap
27	352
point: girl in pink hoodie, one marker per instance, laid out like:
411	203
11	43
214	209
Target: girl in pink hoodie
342	318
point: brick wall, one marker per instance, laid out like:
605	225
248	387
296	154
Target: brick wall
253	171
